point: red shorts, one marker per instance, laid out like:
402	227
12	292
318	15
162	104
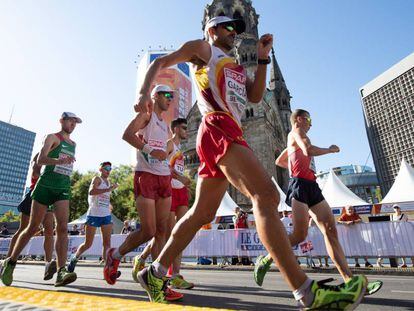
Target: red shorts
179	198
216	133
152	186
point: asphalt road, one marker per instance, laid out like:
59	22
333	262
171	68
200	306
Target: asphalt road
219	289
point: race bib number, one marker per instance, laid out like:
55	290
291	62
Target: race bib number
156	144
63	169
235	89
179	166
103	200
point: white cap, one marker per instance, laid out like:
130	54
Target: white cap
161	88
239	24
71	115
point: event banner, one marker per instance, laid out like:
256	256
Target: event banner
385	239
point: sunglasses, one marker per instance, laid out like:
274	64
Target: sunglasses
309	120
107	168
228	27
168	95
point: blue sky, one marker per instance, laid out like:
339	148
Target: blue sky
79	56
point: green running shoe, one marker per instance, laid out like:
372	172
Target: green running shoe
261	267
6	271
139	264
346	296
64	277
72	263
50	270
155	287
373	287
179	283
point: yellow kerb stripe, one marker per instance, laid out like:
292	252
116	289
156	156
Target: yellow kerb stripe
81	302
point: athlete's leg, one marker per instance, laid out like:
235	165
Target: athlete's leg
245	172
87	243
209	193
106	231
24	222
146	211
48	236
323	217
162	213
300	220
36	217
147	250
61	244
179	213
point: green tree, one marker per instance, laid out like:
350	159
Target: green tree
122	198
79	200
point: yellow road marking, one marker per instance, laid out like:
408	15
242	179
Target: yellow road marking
81	302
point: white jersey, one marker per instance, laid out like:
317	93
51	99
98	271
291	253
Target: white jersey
99	204
155	134
177	162
221	85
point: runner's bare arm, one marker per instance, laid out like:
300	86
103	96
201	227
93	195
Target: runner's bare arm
93	189
304	143
282	159
36	168
130	133
189	52
256	88
170	146
51	142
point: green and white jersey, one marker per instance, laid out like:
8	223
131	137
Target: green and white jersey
58	176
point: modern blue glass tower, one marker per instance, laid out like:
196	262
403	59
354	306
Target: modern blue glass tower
16	146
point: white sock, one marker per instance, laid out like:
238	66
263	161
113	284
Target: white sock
117	255
304	294
159	270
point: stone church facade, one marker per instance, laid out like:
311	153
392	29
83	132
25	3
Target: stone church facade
265	125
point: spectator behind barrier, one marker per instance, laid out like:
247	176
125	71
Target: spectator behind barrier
349	217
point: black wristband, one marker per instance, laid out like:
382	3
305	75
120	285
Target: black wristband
264	61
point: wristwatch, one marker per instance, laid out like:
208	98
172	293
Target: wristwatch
264	61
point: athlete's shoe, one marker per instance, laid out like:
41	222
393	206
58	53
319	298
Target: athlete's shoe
178	282
111	267
373	287
6	271
346	296
155	287
139	264
72	263
64	277
261	267
172	295
50	270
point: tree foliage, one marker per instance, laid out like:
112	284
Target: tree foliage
122	198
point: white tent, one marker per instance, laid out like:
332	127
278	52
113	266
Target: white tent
226	207
282	204
338	195
403	188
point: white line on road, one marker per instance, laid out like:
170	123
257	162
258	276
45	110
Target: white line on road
403	291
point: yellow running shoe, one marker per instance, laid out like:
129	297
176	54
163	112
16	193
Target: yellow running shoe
178	282
139	264
346	296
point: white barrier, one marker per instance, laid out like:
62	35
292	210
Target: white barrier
385	239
